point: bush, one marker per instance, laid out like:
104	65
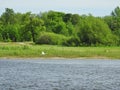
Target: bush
44	39
73	41
51	39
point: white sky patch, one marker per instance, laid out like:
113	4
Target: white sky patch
72	6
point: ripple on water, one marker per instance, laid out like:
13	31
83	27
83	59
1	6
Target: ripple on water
59	75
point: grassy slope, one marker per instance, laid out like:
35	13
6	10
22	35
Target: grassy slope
26	50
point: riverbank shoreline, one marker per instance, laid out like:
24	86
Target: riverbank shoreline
56	58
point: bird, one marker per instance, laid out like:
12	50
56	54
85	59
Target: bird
43	53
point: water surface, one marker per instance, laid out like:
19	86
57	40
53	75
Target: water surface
45	74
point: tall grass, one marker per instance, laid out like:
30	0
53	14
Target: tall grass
31	51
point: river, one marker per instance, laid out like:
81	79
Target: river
59	74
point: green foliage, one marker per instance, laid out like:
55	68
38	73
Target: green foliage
67	17
1	38
116	12
75	19
73	41
95	31
8	16
58	28
34	26
113	22
10	33
51	39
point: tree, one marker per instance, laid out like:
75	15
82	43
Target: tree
95	31
8	16
51	19
67	17
60	28
9	28
86	30
34	26
116	12
75	19
1	28
116	19
113	22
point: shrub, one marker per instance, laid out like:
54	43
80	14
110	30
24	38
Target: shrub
73	41
51	39
44	39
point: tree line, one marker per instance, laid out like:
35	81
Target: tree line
59	28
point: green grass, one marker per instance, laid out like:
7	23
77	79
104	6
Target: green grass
26	50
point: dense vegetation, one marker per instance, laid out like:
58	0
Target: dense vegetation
58	28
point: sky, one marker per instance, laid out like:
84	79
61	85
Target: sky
94	7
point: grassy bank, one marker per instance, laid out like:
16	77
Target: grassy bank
25	50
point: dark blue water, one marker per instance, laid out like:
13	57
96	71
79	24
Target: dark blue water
38	74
